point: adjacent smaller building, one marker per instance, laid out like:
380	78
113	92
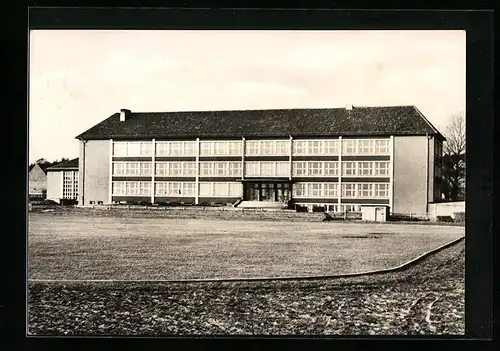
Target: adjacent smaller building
37	182
62	182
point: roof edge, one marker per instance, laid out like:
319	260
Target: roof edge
437	132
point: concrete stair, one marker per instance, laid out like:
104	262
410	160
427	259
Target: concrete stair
261	204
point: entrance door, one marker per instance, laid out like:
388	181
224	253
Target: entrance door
252	192
379	214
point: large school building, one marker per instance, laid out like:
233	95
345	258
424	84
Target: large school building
340	158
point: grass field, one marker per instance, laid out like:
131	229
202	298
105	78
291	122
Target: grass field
77	247
425	299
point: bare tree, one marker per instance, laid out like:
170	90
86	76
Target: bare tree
454	160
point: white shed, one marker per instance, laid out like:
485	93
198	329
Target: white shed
374	213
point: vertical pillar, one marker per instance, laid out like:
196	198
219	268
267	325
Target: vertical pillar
339	190
153	170
391	173
197	168
110	192
243	166
290	170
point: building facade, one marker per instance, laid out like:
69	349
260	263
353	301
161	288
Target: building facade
62	181
37	183
339	159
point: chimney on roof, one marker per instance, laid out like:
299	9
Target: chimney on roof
348	107
124	115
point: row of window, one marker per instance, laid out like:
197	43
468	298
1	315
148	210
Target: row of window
349	190
254	168
252	147
177	189
333	207
70	184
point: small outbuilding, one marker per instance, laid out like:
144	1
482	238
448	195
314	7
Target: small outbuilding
374	213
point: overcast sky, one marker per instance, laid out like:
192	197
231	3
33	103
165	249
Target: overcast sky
78	78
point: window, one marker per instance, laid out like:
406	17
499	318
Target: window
234	169
235	189
252	169
348	190
118	188
314	147
381	190
220	148
266	147
314	169
132	168
381	168
145	168
365	190
282	147
221	189
206	148
365	146
220	168
348	168
349	146
282	169
299	168
188	148
299	189
206	168
175	148
119	168
252	147
161	168
161	148
351	208
299	147
119	149
267	168
331	147
205	189
175	168
234	148
330	189
365	168
382	146
161	188
315	189
331	168
189	168
146	149
188	189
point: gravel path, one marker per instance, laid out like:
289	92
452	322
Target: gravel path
426	299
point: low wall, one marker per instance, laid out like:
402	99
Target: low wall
445	209
224	213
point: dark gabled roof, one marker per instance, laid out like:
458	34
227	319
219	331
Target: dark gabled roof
71	164
369	121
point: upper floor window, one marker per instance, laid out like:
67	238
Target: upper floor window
382	146
348	168
348	190
365	168
175	148
365	146
381	168
349	146
365	190
132	148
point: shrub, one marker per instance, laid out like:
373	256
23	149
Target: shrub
318	209
459	217
444	219
300	208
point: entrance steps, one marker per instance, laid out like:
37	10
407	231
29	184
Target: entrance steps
261	204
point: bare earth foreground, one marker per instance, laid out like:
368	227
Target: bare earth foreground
427	298
79	248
